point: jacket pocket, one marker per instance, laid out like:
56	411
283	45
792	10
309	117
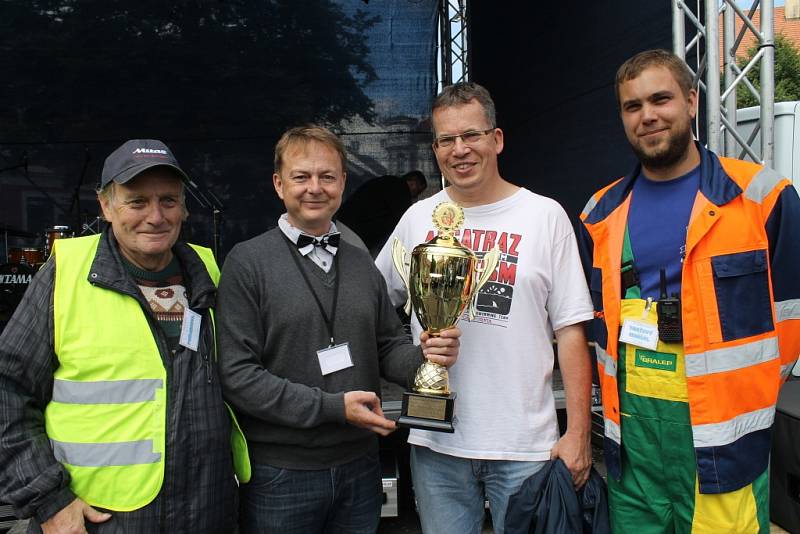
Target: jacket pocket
741	284
264	476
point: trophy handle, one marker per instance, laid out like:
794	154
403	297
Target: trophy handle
490	261
399	260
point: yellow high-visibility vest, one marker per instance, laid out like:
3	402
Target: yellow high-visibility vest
107	417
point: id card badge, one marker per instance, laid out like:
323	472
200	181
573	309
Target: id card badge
336	358
190	329
639	333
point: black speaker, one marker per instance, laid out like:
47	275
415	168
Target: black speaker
784	471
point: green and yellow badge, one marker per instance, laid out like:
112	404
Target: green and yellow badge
656	360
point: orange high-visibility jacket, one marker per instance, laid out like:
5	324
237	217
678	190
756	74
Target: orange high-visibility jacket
740	308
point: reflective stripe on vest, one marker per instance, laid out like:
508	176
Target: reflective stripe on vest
605	359
787	309
612	430
732	358
587	209
716	434
106	391
786	370
762	184
105	454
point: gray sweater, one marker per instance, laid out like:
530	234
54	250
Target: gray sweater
269	330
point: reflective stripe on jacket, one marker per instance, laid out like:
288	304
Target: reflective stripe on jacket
107	417
740	309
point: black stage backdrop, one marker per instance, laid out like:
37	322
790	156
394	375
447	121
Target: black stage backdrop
550	67
218	81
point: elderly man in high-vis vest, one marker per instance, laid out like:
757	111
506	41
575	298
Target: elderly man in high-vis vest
693	263
112	412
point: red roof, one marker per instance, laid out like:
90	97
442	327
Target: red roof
789	28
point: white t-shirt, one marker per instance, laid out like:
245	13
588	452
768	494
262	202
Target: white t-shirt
504	406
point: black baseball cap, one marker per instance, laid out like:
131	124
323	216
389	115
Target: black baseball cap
136	156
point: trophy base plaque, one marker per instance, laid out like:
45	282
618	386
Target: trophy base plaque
427	412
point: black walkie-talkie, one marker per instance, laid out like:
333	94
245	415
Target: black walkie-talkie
669	314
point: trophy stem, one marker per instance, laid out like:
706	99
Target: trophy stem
432	379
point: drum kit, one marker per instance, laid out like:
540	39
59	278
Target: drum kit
22	262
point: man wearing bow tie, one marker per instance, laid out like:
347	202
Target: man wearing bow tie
305	330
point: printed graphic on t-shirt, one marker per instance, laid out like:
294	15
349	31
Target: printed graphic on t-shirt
494	298
167	303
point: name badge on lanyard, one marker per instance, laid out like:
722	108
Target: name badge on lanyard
190	329
336	358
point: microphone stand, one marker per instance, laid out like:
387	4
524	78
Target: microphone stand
209	201
216	220
76	195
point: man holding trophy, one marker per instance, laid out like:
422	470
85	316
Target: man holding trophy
532	288
305	330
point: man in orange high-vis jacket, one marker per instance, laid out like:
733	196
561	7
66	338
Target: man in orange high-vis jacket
693	265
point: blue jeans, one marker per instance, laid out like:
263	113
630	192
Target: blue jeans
342	499
451	491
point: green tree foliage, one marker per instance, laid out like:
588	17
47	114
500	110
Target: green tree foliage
787	74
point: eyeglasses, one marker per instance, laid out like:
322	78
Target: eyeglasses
469	138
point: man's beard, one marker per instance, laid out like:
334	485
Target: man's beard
677	146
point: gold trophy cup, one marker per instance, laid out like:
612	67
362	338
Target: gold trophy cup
442	279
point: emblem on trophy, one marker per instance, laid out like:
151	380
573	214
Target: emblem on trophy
443	278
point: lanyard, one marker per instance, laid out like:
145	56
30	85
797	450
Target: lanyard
328	320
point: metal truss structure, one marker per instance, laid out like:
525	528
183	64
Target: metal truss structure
720	90
453	59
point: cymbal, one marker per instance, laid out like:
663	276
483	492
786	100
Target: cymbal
16	232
